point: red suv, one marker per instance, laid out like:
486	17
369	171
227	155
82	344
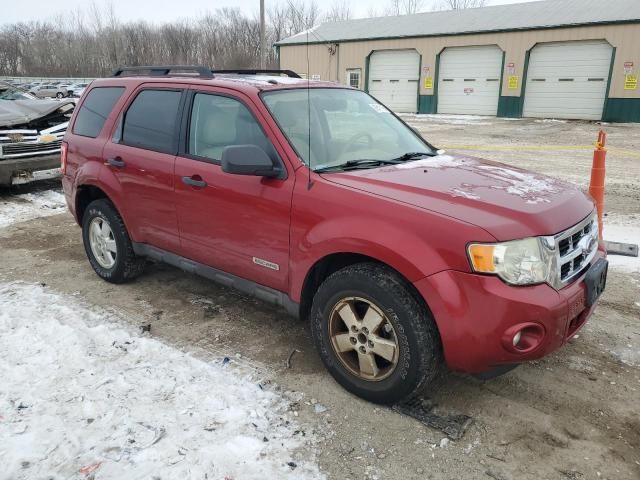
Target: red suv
315	197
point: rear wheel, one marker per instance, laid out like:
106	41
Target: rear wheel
107	243
59	95
375	338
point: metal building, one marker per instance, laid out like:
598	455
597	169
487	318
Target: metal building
574	59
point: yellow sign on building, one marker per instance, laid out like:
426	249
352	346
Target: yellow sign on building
428	83
513	82
630	82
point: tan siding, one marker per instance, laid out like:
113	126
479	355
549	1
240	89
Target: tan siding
626	38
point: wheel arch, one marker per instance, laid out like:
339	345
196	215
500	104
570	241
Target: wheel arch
331	263
87	193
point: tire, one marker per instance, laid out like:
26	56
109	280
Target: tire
59	95
126	265
418	350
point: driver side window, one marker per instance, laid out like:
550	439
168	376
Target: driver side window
218	122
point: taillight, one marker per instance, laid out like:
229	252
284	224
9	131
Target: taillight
63	157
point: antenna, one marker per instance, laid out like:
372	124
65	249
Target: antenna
308	115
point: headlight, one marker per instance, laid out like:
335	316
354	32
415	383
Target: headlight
519	262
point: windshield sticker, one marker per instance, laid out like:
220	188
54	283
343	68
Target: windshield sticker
378	108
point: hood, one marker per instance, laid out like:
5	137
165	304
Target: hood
17	112
506	201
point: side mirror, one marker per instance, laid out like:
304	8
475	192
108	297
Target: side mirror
248	160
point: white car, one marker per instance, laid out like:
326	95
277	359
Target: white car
77	89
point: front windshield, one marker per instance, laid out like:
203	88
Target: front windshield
345	126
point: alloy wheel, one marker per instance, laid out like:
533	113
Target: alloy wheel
363	339
102	242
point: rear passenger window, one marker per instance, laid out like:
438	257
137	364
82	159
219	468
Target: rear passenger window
217	122
150	121
95	109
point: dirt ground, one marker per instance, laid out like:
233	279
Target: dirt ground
574	415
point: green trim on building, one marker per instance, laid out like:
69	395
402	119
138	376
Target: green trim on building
436	75
427	104
504	56
366	71
510	107
419	79
608	92
623	110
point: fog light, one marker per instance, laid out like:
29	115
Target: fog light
523	337
516	338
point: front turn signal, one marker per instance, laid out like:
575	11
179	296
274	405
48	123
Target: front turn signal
482	258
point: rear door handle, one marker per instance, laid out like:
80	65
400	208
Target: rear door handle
115	162
194	181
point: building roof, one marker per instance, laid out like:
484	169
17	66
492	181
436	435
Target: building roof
519	16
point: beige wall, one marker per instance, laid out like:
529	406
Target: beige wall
626	39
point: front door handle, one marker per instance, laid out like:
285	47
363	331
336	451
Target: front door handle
115	162
194	181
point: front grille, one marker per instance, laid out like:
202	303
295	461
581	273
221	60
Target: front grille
576	248
17	143
18	148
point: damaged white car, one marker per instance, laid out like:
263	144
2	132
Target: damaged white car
31	133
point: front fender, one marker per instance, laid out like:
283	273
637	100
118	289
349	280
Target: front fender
401	248
329	218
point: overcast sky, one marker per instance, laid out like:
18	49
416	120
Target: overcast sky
166	10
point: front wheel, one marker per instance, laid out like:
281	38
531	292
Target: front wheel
107	243
59	95
375	338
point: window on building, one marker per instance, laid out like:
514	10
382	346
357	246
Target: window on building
353	77
95	109
150	121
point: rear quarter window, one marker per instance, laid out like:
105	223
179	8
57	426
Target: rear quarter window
95	109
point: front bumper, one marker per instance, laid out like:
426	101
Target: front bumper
23	168
474	314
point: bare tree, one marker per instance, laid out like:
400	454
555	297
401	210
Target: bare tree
404	7
460	4
338	12
93	41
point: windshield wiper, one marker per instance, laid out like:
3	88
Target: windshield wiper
413	155
356	164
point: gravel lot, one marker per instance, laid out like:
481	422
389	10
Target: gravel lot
574	415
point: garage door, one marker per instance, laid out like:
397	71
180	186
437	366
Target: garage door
568	80
469	80
393	79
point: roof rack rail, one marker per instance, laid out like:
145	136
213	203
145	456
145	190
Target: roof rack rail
165	70
288	73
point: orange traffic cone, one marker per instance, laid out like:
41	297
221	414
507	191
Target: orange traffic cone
596	187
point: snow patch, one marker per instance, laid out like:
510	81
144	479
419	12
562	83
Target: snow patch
20	208
624	229
450	119
458	192
528	186
551	120
81	394
439	161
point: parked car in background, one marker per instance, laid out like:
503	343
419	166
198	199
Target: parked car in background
316	197
77	89
11	92
31	132
49	91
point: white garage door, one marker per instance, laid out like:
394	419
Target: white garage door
568	80
394	77
469	80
